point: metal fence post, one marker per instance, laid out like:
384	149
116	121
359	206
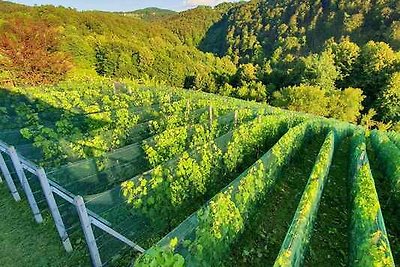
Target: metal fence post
88	231
8	178
25	184
48	193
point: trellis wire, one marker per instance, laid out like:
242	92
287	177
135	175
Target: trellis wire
50	189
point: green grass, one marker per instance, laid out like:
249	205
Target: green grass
24	243
329	239
259	245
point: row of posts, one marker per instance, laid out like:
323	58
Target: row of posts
211	116
47	192
78	201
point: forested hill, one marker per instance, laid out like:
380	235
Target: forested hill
150	13
111	44
334	58
195	25
324	44
256	29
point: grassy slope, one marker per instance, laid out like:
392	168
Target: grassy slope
329	240
25	243
260	244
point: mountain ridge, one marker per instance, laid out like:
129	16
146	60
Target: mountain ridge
149	13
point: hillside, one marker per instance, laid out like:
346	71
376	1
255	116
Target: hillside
256	29
356	43
257	133
193	25
165	175
150	13
331	58
114	45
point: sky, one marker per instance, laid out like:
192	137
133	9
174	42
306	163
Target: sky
124	5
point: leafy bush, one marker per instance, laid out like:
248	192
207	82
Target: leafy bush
344	105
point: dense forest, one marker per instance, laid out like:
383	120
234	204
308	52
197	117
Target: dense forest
333	58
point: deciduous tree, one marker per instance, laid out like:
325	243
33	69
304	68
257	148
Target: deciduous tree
29	50
389	99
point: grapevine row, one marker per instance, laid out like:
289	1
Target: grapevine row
298	235
369	242
210	232
389	157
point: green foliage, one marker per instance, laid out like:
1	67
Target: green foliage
284	39
262	47
389	157
376	62
346	54
90	117
195	151
119	45
246	73
251	91
166	144
150	13
304	26
320	70
396	127
176	188
192	25
305	98
394	33
161	257
172	187
220	222
174	141
344	105
369	241
369	123
202	82
298	235
389	99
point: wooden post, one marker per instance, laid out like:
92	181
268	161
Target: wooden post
210	112
88	231
55	213
8	178
235	122
187	107
25	184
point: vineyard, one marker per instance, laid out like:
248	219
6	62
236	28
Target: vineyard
156	176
